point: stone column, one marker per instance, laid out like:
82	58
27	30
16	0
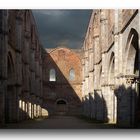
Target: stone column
83	77
91	71
18	85
92	105
26	68
118	60
20	110
99	104
126	101
35	111
23	110
86	106
90	83
83	106
32	108
86	72
3	63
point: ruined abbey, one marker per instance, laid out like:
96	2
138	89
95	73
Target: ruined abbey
100	81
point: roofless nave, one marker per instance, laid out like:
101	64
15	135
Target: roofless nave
99	81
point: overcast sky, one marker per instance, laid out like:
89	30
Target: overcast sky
62	27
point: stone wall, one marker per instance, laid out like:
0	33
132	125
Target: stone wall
62	60
20	67
111	67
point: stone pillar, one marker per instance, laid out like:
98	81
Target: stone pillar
91	82
23	110
3	63
118	60
35	111
86	73
91	72
27	109
126	102
26	69
87	106
111	103
18	85
83	76
104	45
32	110
38	110
99	104
92	105
20	110
86	86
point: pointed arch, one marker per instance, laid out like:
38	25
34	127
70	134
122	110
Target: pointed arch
132	53
111	68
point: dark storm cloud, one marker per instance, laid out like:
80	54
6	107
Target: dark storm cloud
62	27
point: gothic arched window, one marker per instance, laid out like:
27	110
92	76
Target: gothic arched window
52	75
72	75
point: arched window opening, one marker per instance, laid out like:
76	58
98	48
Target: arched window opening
52	75
72	75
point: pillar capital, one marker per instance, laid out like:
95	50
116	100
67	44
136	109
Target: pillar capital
112	86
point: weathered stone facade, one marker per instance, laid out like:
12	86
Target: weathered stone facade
20	67
100	81
111	64
63	93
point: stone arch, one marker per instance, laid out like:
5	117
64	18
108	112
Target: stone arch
111	84
67	56
61	99
111	68
132	52
10	112
131	63
66	49
61	106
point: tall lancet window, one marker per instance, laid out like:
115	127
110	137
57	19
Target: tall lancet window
72	74
52	75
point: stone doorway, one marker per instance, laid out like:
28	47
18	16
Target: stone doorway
61	107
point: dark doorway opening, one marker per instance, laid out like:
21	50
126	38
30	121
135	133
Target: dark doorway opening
61	107
61	102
